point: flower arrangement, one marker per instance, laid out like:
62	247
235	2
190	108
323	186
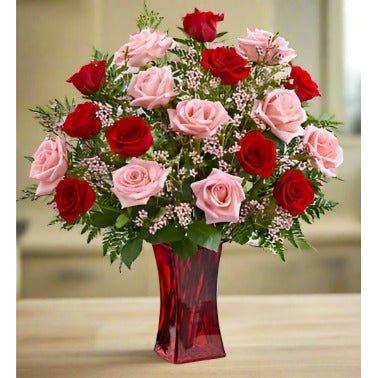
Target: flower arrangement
187	141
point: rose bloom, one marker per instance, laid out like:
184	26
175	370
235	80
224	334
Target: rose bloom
294	192
49	165
73	198
220	196
257	46
152	88
202	25
226	64
129	136
281	110
324	148
257	154
200	118
90	77
139	180
142	48
301	81
82	122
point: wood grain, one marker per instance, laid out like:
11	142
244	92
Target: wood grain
265	336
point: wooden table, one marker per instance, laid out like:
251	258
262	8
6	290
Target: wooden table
264	336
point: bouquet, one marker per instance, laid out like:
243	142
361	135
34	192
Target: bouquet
189	142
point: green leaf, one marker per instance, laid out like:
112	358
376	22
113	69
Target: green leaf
205	235
243	235
101	220
105	248
131	250
180	40
186	193
113	256
29	158
168	234
84	229
184	247
297	239
247	186
122	220
221	34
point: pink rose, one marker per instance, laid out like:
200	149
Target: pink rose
49	165
142	48
219	196
152	88
281	110
137	181
200	118
324	148
258	46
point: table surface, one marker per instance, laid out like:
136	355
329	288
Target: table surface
264	336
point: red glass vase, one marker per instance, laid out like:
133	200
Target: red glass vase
188	324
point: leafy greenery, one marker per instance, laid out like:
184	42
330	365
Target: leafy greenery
131	250
205	235
50	116
168	234
296	237
184	247
326	121
319	207
148	18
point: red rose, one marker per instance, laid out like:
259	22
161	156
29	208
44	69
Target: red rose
202	25
73	198
82	121
225	63
89	78
294	192
257	154
130	136
302	83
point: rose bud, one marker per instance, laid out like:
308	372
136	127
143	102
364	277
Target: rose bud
202	25
82	122
257	154
129	136
294	192
90	77
226	64
73	198
301	81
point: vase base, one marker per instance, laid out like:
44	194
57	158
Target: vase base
188	359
